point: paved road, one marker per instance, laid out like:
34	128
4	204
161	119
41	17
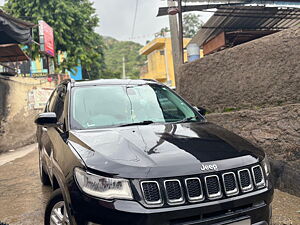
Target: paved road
23	198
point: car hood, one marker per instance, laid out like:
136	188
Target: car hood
162	150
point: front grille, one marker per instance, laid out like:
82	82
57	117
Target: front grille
194	189
151	192
245	180
213	187
258	177
203	188
174	191
230	184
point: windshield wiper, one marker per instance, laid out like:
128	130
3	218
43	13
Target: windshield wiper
146	122
187	119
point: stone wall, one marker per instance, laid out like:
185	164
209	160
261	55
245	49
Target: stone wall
16	127
277	131
264	72
259	82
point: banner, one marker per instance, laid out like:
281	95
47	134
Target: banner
46	38
37	98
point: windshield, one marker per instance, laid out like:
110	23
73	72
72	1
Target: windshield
117	105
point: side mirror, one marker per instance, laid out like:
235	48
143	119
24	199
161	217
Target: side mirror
201	110
47	119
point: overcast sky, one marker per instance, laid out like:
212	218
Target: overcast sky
117	18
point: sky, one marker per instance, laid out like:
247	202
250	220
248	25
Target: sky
117	19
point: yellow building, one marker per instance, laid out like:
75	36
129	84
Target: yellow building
160	60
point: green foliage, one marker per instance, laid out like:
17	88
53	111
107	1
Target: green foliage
115	51
191	24
162	32
73	22
97	67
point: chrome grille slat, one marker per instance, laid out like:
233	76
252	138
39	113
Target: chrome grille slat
174	192
258	176
245	180
151	192
194	189
213	187
230	184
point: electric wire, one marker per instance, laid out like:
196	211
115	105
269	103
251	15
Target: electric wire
135	16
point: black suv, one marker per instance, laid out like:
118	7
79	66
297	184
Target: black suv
134	152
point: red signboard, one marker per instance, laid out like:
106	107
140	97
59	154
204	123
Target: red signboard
46	38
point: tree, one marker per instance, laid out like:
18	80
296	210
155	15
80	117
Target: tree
73	22
96	70
191	24
162	32
115	51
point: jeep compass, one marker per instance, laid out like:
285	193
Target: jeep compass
133	152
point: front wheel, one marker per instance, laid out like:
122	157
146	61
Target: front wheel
56	212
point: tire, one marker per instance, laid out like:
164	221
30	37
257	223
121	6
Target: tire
43	175
56	206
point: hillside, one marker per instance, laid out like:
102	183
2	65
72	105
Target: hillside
115	51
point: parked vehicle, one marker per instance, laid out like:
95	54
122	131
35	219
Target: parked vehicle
134	152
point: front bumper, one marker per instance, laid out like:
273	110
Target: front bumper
255	206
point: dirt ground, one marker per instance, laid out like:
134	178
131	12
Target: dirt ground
286	209
23	198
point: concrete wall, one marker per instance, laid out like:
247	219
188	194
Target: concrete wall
260	80
3	98
261	73
17	127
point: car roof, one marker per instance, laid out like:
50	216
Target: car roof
112	82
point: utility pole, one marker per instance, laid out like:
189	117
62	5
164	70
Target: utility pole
176	37
180	30
124	68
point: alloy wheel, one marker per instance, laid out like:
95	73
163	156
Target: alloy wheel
59	215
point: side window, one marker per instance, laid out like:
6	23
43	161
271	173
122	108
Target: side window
57	102
168	106
51	101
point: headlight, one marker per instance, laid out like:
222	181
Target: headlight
266	165
103	187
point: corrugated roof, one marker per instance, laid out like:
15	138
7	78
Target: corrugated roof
12	53
248	18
